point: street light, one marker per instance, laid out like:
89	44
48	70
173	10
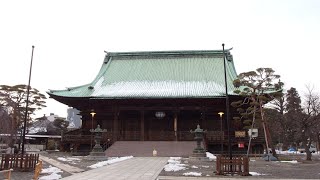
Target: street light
222	134
227	102
92	116
27	103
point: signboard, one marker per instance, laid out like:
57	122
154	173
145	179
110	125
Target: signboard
240	134
253	133
240	145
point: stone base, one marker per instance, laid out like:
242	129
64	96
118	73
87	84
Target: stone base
96	158
199	158
97	154
202	156
199	154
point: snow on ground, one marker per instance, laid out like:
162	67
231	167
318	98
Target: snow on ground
68	159
108	162
192	174
174	164
211	156
32	149
256	174
52	173
293	161
51	169
292	152
72	160
52	176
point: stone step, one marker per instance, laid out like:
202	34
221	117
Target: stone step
145	148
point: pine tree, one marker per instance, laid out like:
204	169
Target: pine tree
14	99
258	87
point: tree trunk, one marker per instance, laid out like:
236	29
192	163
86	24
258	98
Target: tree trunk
267	133
306	147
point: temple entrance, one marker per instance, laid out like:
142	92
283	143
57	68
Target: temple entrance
129	125
159	128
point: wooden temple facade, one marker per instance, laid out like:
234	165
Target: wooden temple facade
159	96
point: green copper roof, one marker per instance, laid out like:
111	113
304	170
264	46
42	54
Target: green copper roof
172	74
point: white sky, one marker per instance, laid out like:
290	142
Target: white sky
70	37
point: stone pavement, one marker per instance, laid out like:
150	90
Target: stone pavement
137	168
62	166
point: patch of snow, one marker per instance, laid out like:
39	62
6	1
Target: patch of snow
108	162
32	149
205	166
293	161
34	130
53	173
192	174
68	159
211	156
51	169
52	176
195	167
256	174
174	164
155	89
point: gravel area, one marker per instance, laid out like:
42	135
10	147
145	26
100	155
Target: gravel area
259	168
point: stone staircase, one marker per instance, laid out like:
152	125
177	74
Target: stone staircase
145	148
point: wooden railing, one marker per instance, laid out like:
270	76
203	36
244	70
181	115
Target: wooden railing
84	138
210	136
79	137
26	162
37	170
215	135
236	165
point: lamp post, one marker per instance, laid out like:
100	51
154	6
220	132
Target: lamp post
27	103
227	101
92	116
222	134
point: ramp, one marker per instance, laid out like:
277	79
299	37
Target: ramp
145	148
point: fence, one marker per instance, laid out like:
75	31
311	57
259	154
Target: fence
37	170
235	165
19	162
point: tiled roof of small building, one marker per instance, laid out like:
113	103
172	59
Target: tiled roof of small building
164	74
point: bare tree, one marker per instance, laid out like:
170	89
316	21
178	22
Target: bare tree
309	122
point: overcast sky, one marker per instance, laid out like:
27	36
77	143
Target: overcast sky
70	37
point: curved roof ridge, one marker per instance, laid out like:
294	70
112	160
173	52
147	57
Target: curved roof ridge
164	53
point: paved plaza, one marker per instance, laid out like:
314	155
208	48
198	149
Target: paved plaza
137	168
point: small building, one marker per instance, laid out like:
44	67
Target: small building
159	96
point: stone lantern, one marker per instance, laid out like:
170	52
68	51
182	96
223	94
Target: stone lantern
97	152
199	152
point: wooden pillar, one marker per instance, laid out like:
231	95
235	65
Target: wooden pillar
115	125
142	125
175	125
